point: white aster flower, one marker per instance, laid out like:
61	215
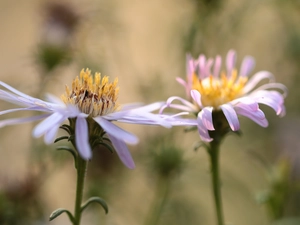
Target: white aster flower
211	91
90	101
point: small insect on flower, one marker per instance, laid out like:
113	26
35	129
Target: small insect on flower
90	105
212	93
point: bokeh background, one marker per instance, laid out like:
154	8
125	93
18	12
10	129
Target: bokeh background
45	44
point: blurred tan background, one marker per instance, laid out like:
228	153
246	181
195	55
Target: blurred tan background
45	44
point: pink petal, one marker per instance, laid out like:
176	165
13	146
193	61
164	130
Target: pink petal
277	86
182	82
247	103
190	67
196	96
205	115
208	66
272	99
217	66
230	62
202	62
231	116
256	78
182	100
247	66
256	116
203	132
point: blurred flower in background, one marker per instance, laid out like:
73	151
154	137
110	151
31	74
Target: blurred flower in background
20	202
211	91
166	163
60	21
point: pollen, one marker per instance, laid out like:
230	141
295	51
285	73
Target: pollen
92	95
217	91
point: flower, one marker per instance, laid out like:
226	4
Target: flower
210	91
89	100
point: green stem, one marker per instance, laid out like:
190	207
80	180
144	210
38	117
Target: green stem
160	198
81	172
214	159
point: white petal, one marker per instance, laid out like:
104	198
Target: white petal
131	106
53	99
145	118
22	99
12	98
54	120
231	116
50	135
122	151
141	115
148	108
16	91
14	121
19	109
176	106
182	121
116	131
82	138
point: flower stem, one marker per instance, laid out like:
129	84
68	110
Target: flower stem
160	198
214	159
81	172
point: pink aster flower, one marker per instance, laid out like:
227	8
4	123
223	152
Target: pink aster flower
209	91
90	101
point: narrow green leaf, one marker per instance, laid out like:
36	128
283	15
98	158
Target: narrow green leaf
68	149
61	138
58	212
192	128
106	139
109	147
67	128
200	144
96	200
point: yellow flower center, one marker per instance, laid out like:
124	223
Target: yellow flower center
217	91
92	95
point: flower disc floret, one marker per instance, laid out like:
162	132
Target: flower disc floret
94	96
216	91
